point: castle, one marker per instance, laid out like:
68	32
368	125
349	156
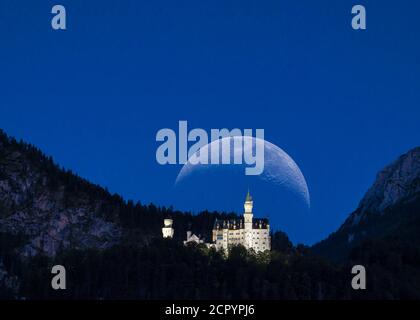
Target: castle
248	231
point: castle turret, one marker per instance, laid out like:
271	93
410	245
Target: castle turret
167	230
248	215
248	203
248	210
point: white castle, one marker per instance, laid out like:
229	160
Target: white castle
252	233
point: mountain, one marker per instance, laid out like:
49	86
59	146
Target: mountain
50	216
390	208
397	182
49	209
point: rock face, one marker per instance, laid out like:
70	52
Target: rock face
397	181
47	209
390	203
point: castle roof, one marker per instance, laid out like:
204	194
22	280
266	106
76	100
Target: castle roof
232	224
248	197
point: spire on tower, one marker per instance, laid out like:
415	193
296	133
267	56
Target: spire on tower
248	196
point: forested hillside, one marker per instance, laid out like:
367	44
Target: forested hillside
113	248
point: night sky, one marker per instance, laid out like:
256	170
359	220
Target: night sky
341	103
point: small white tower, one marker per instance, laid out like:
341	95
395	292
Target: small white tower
167	230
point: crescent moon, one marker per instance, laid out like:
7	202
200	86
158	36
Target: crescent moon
279	167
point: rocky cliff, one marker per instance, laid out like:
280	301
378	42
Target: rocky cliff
389	203
398	181
46	206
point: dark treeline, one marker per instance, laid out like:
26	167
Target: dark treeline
165	269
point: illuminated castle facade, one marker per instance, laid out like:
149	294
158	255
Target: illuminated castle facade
248	231
252	233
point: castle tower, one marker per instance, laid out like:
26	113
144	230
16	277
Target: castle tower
248	215
248	204
167	230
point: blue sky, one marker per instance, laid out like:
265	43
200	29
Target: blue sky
342	103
